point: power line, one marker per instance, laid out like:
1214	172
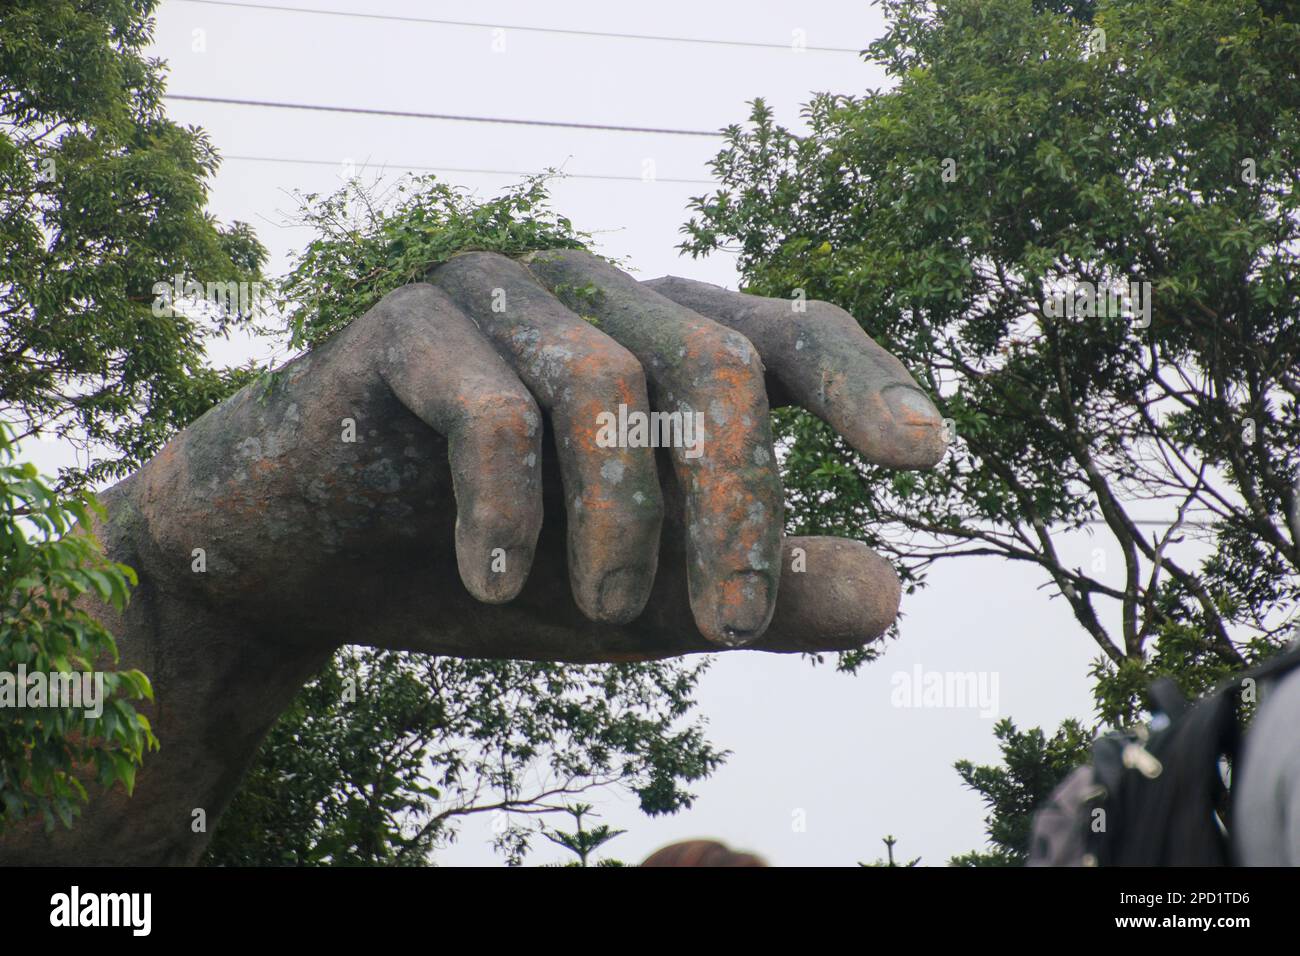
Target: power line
439	116
524	29
459	169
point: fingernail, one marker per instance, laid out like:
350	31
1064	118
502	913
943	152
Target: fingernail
622	595
496	575
911	406
920	439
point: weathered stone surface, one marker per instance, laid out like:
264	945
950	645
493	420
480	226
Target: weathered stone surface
472	399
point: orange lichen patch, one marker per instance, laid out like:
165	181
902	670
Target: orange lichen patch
585	424
701	342
588	359
246	506
726	496
736	378
627	394
596	504
731	594
264	468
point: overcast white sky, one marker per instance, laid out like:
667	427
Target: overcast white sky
809	744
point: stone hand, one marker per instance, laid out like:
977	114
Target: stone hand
430	477
460	472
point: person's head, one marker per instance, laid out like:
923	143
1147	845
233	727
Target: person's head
701	853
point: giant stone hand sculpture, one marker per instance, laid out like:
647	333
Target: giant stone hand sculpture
482	509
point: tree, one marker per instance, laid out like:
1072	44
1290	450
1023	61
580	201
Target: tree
384	754
56	735
1029	159
1033	765
891	842
101	211
102	199
582	842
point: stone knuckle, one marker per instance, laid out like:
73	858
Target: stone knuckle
820	314
502	408
617	374
729	351
413	292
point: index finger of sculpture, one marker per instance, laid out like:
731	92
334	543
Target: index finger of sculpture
828	365
441	368
708	380
577	374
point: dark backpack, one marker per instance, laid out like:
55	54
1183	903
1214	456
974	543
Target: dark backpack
1155	795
